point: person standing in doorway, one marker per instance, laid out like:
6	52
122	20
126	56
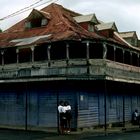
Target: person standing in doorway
135	117
62	117
68	113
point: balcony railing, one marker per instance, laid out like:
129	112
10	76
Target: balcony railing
72	69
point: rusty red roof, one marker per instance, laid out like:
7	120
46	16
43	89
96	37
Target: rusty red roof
61	26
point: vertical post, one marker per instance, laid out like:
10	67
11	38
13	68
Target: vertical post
131	59
58	123
123	110
138	57
87	56
123	55
87	50
32	49
49	56
26	108
2	55
114	53
17	52
105	106
67	54
104	51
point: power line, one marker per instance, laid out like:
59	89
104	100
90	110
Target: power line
34	5
21	10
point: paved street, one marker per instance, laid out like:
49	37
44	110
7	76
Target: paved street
124	136
36	135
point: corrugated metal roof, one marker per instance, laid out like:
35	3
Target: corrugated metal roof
105	26
61	26
127	34
29	40
86	18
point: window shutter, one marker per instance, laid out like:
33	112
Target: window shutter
44	22
28	25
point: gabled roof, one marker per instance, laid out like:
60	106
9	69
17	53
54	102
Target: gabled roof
106	26
86	18
61	26
116	34
129	34
36	14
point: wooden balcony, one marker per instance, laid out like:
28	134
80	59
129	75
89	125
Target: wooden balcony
76	69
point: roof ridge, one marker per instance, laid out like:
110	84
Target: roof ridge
128	32
58	9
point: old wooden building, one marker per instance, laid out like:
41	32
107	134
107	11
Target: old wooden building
56	54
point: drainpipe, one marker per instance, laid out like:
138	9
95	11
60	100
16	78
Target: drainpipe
105	106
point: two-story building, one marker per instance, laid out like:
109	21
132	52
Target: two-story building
56	54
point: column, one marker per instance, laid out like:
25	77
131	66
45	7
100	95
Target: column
138	57
49	56
114	53
67	53
104	51
32	49
130	58
87	49
87	57
2	57
123	56
17	52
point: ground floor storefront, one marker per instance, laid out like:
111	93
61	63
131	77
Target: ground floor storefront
94	103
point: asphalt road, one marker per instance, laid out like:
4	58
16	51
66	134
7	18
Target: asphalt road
36	135
122	136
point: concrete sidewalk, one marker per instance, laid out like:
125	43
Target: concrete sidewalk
110	130
9	134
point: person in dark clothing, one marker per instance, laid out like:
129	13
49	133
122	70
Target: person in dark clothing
68	115
135	118
62	117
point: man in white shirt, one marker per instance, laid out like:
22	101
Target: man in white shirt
62	117
67	109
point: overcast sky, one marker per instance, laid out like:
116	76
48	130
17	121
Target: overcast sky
125	13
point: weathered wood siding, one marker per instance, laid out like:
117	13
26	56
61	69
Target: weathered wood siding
71	97
119	108
114	108
42	107
101	109
128	108
12	108
36	103
88	111
34	106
